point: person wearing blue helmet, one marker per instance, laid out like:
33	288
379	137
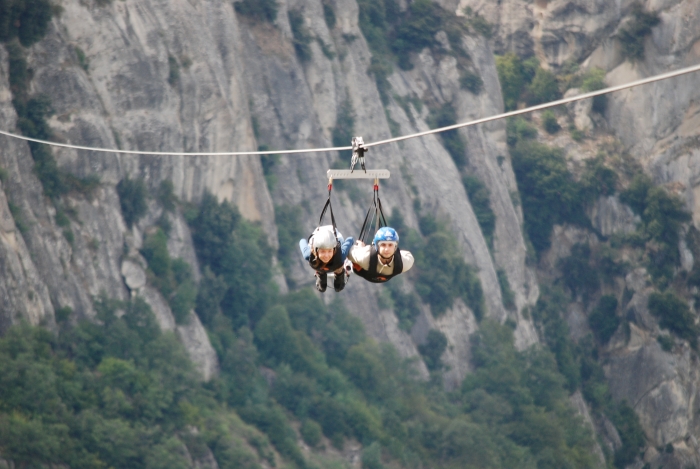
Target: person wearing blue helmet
383	259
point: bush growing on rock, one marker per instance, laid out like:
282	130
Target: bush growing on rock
603	320
26	20
663	215
479	198
302	36
132	198
549	193
433	348
444	277
455	145
471	81
594	80
632	36
549	122
260	10
675	315
172	277
543	88
515	75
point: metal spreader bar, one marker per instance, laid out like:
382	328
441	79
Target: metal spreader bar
349	174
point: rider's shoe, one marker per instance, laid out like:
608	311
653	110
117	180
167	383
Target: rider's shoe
340	281
321	282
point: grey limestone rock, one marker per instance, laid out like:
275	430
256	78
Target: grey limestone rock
610	216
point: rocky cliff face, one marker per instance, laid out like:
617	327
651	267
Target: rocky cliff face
196	76
658	126
239	84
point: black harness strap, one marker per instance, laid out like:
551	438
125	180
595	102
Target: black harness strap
325	208
336	262
375	216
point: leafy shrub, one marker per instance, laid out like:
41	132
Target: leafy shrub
326	49
662	215
61	218
372	457
594	80
132	198
271	420
543	88
631	433
471	81
666	342
433	348
507	294
510	74
548	315
451	139
598	179
480	202
19	73
18	217
110	396
183	301
172	277
577	135
636	193
633	34
27	20
302	37
32	114
518	129
211	292
603	320
311	433
63	314
549	122
405	305
444	276
260	10
505	384
289	231
479	24
375	20
578	273
238	252
675	315
516	75
329	15
165	196
429	225
548	191
82	59
417	31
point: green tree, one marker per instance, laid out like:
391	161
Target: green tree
603	320
547	189
132	198
512	78
433	348
675	315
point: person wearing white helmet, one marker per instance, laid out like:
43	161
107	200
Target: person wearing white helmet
382	260
326	251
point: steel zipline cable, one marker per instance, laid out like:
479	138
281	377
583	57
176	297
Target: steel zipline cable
592	94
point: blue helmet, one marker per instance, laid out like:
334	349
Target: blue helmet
385	234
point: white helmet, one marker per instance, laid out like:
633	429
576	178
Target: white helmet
324	238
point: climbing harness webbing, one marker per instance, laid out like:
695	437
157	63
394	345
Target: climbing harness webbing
375	216
327	207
